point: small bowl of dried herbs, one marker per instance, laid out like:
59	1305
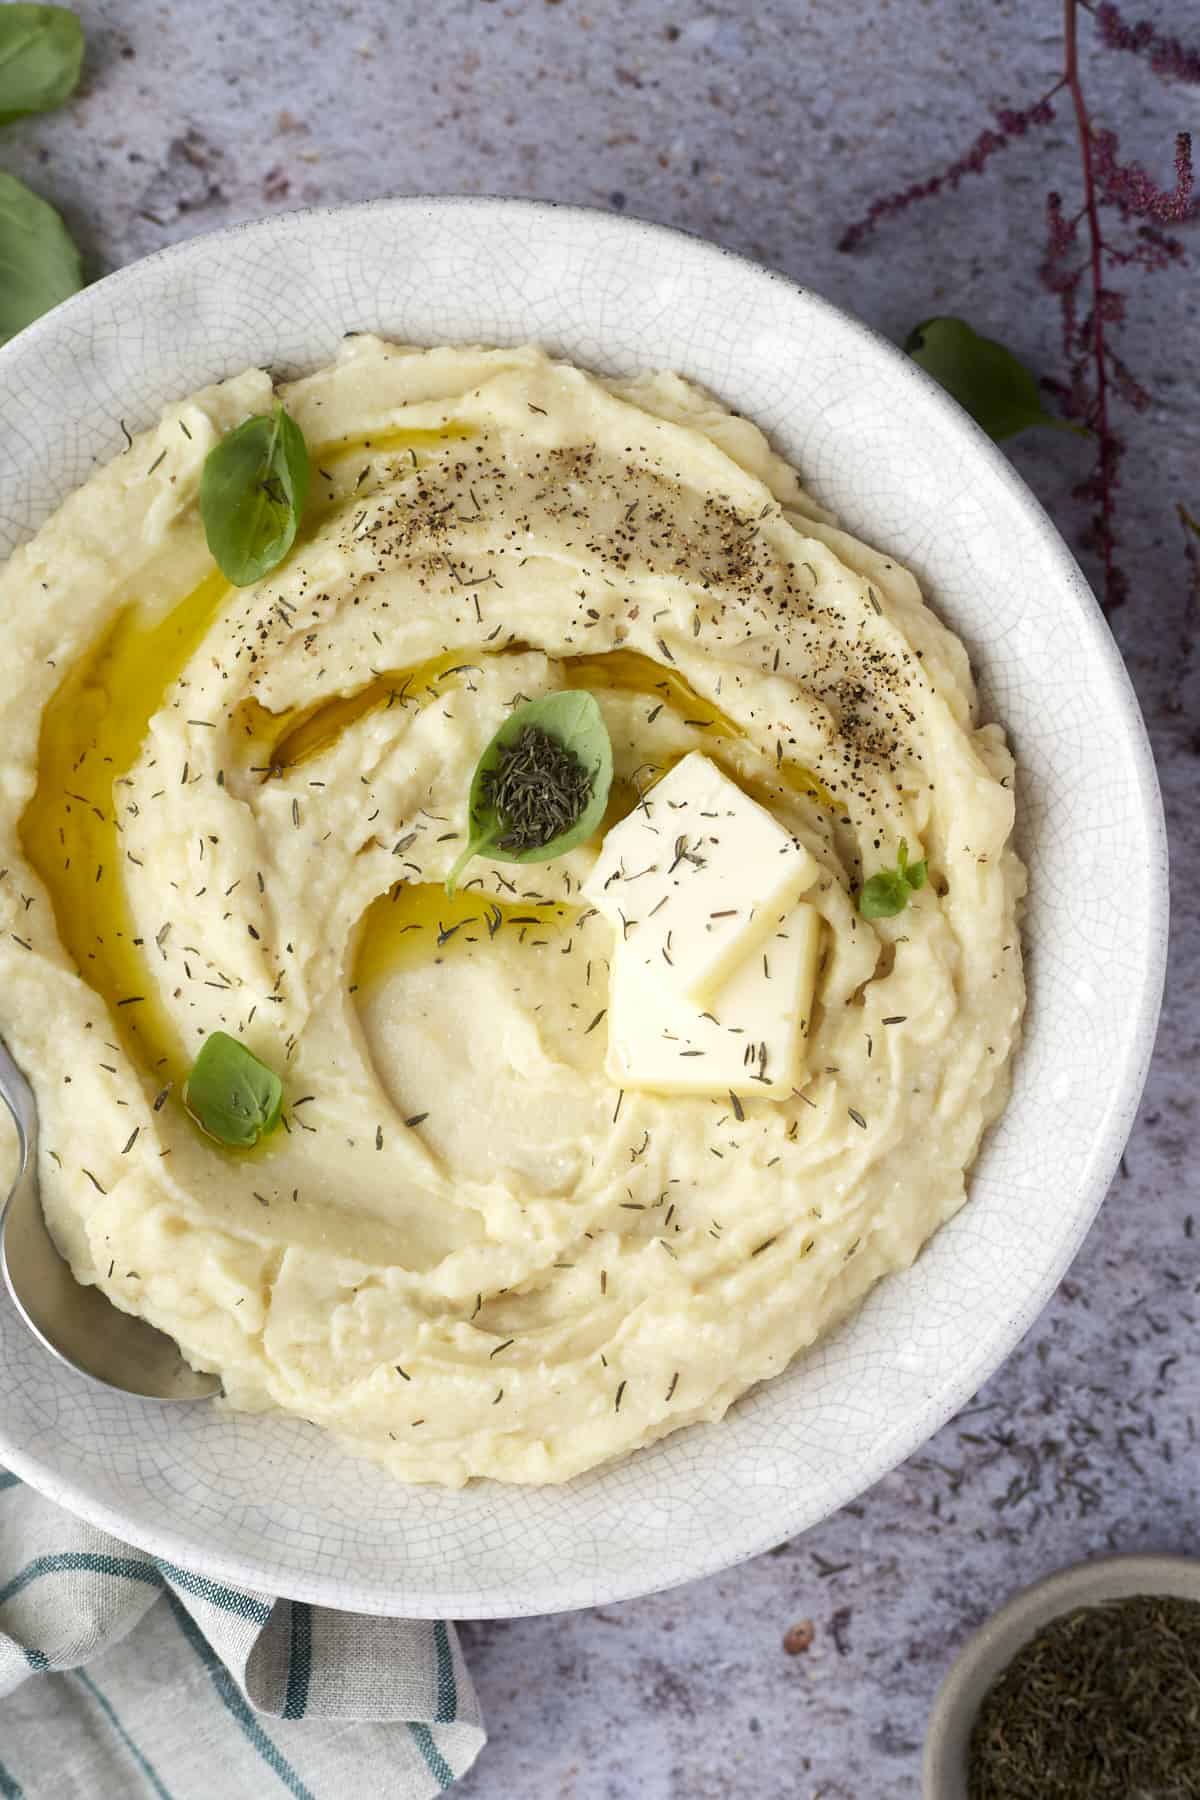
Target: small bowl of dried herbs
1086	1686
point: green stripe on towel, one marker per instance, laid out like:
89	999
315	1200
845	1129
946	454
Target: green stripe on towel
447	1687
228	1599
143	1762
299	1661
439	1768
235	1702
132	1568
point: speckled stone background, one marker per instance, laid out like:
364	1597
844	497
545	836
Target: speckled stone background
766	128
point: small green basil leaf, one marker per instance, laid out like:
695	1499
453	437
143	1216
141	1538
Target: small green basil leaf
230	1094
41	54
885	895
916	875
252	494
574	721
39	265
986	379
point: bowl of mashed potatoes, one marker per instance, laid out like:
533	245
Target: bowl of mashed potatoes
554	791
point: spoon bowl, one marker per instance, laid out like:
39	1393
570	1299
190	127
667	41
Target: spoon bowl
75	1322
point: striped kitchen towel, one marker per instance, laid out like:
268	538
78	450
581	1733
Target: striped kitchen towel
123	1676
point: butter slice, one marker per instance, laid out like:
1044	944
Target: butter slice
751	1038
696	877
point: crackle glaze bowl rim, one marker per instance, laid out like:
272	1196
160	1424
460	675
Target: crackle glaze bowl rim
906	468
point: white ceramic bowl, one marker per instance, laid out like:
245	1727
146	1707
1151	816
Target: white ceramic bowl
269	1502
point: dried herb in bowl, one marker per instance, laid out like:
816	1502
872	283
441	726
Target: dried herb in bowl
1101	1704
541	785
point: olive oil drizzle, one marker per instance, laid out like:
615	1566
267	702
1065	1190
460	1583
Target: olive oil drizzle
284	740
93	728
414	922
400	438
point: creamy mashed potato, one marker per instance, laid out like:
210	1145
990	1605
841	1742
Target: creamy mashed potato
466	1252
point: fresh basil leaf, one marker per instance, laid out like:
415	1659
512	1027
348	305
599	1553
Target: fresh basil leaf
573	722
39	265
252	494
889	892
986	379
230	1094
41	54
885	895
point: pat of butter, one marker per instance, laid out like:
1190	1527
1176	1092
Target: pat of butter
696	877
750	1039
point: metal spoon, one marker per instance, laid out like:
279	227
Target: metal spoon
76	1323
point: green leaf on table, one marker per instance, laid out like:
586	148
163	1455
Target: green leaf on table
986	379
39	264
888	892
230	1094
41	54
541	786
252	494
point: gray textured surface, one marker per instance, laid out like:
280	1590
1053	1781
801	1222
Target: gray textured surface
762	131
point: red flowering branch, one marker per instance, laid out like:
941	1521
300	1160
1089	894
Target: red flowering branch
1009	126
1109	447
1167	55
1091	310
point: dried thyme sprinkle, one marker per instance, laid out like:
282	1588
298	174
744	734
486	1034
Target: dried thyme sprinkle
858	1118
402	1373
499	1347
674	1384
620	1391
1102	1703
538	789
739	1111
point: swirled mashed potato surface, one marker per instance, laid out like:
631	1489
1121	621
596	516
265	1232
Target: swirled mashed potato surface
468	1252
